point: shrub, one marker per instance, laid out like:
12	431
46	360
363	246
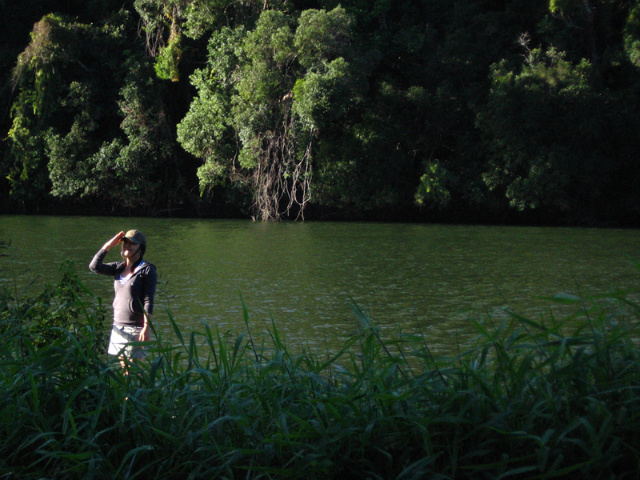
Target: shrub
530	399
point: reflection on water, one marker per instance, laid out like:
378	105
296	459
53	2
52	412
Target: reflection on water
305	276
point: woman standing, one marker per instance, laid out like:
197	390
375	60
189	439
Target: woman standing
135	287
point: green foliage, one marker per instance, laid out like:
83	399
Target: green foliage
530	399
168	60
369	172
631	34
260	101
145	168
556	166
51	315
559	6
33	108
198	18
322	36
91	150
70	165
324	95
344	105
66	80
433	186
205	130
204	16
151	13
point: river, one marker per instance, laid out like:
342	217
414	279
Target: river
306	277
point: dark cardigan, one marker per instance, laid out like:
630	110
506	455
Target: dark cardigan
134	297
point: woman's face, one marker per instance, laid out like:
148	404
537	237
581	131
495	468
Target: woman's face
129	249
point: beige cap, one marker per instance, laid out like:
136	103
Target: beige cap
135	236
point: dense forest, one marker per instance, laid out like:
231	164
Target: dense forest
506	111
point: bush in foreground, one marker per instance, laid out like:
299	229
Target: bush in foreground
529	400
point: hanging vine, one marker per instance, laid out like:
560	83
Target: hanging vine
281	180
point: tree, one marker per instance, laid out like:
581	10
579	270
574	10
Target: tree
71	134
260	103
594	29
56	79
631	33
557	143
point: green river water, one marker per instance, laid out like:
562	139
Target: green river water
305	277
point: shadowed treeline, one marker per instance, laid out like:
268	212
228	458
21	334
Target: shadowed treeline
502	111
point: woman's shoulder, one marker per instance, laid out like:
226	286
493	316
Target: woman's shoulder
147	267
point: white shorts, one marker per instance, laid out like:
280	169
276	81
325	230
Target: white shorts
119	343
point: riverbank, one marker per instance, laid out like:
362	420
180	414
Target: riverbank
529	400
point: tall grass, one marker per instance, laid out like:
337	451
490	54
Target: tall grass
552	398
